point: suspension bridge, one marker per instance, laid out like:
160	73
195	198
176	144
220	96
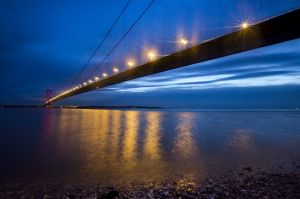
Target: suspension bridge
246	37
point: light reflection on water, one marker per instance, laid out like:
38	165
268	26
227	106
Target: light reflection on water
129	154
151	152
120	145
184	143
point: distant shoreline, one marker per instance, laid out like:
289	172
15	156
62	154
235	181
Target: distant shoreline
147	107
82	107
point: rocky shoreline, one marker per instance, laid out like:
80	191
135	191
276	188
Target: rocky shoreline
241	184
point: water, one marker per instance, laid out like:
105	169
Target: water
143	145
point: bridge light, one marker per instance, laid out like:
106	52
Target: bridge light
104	75
130	63
245	25
96	78
84	83
115	69
79	85
151	54
183	41
90	81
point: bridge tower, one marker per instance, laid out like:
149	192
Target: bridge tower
48	94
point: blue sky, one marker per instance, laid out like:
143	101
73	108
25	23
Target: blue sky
44	44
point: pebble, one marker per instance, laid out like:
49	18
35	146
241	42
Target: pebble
249	185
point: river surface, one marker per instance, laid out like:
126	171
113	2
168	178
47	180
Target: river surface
143	145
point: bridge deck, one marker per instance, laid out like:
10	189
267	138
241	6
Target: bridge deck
272	31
